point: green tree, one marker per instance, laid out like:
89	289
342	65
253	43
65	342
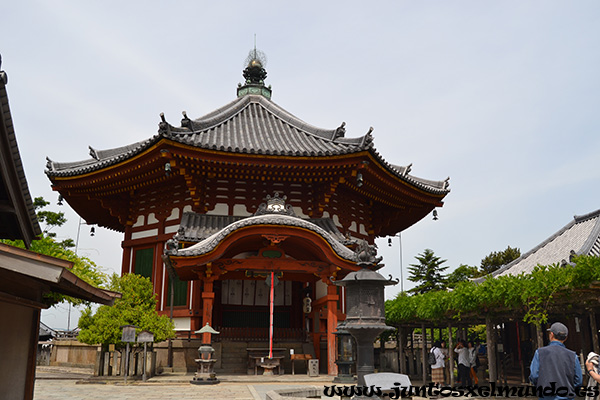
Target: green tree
136	307
47	244
461	274
428	273
496	259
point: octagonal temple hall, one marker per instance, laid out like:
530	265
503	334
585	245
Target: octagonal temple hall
248	189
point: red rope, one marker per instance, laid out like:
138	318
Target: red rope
271	315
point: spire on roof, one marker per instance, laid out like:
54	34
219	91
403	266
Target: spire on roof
255	75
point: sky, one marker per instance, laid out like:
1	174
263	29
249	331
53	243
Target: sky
501	96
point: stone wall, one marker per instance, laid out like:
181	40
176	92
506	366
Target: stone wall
71	353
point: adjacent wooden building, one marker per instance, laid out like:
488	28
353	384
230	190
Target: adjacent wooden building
245	190
26	278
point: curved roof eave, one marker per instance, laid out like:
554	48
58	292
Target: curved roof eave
440	188
100	159
299	139
210	243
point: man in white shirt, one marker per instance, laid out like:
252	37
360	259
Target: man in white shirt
464	364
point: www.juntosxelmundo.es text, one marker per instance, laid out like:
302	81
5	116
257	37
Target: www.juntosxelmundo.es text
431	390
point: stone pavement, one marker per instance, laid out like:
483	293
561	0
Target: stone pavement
54	383
68	389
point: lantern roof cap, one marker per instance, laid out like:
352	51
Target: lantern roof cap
207	329
365	275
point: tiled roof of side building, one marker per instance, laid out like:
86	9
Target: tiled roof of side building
581	236
18	216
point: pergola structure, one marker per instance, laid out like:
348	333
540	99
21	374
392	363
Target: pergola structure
243	191
512	342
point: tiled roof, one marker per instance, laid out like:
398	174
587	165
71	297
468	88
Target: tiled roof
208	244
196	227
251	124
45	330
580	236
18	219
254	124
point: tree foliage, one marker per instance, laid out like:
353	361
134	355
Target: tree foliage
136	307
428	273
496	259
461	274
531	296
51	219
47	244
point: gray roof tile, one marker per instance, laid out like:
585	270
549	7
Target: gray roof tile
196	227
582	236
250	124
209	243
18	219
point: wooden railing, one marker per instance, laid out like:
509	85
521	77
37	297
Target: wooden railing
243	334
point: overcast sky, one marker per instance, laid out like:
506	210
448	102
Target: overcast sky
502	96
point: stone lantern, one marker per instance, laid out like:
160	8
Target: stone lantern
345	355
205	373
365	308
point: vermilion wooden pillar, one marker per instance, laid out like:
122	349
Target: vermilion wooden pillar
208	298
158	274
197	304
332	320
126	263
316	337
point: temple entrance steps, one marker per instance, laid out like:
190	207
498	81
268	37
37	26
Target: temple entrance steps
239	357
233	358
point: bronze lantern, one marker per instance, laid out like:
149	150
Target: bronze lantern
365	313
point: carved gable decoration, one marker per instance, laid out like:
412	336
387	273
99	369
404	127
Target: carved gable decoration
275	205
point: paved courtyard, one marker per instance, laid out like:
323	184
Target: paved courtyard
56	384
60	389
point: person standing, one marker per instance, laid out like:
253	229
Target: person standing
464	364
556	366
592	368
437	369
473	362
444	349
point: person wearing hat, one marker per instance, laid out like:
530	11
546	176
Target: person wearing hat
555	366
